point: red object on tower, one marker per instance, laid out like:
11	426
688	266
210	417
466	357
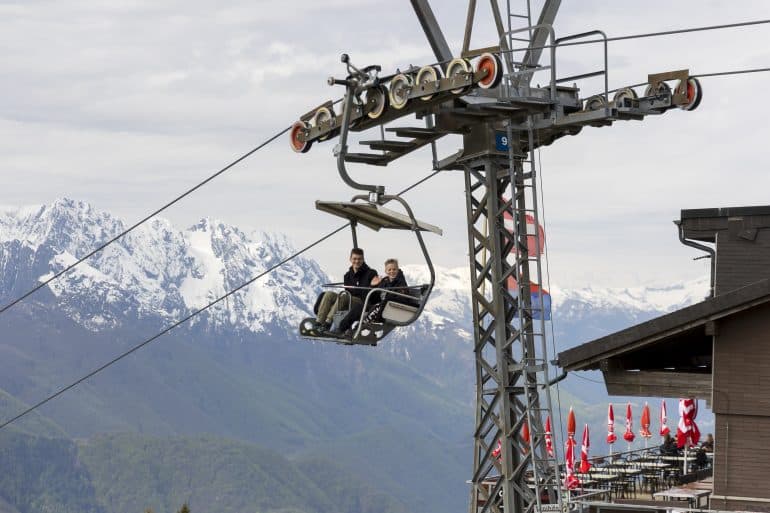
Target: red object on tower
629	436
525	437
535	234
611	437
687	432
498	452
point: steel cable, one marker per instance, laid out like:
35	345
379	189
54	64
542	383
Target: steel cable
142	221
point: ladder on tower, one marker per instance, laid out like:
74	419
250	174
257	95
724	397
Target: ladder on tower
532	312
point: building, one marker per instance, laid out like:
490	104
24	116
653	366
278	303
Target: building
717	350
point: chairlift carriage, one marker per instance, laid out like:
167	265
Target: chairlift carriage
400	307
365	99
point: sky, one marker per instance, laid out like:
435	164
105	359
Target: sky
125	104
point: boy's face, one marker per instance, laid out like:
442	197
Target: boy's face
391	270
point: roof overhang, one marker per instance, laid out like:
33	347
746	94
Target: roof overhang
668	356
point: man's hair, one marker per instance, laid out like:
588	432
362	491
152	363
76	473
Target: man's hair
391	261
357	251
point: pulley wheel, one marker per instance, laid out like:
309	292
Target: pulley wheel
492	64
595	102
376	101
427	74
400	87
299	127
663	88
324	118
458	67
622	94
694	94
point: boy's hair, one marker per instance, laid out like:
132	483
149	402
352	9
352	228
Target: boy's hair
357	251
391	261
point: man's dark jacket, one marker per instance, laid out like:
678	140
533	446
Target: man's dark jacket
361	278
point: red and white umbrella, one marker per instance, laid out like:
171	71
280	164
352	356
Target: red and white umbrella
611	437
584	464
645	422
548	437
629	436
664	430
687	432
570	481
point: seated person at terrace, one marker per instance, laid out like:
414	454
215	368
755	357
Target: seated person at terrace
669	447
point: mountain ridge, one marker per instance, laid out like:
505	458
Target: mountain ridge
158	271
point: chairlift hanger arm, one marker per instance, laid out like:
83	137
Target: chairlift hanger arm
354	85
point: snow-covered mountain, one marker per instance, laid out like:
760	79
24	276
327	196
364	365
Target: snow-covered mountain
160	272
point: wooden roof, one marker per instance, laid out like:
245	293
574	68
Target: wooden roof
690	323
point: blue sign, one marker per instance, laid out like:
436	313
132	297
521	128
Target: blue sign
501	141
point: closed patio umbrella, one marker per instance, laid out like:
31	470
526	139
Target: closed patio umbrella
687	432
644	430
664	430
584	464
570	481
611	437
548	437
629	436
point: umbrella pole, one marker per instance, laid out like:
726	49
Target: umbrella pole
685	458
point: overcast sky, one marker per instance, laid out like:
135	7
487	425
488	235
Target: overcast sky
127	103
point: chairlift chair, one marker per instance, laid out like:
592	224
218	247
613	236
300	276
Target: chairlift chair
401	307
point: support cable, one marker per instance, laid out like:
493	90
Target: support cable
548	278
142	221
193	314
705	75
647	35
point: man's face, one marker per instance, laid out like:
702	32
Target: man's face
356	261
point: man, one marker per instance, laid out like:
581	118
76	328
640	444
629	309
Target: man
359	275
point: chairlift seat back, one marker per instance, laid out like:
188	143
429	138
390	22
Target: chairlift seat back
398	313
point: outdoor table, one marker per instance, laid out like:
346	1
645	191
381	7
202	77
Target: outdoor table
654	464
693	497
680	459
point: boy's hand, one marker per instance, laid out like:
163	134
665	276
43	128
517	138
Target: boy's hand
376	281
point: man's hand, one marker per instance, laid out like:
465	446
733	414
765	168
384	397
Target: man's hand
376	281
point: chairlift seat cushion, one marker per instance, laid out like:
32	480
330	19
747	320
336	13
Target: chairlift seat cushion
398	312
